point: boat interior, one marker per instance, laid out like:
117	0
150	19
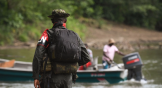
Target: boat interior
28	65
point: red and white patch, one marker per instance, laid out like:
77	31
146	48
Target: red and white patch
43	41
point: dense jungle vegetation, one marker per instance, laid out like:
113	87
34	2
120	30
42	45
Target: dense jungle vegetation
25	20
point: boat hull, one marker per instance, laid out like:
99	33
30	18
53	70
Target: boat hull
22	71
86	77
91	77
13	75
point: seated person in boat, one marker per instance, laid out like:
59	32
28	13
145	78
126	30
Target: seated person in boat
109	51
84	67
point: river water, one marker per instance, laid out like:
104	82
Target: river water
152	69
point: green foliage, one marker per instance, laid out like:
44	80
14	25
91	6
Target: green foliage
143	9
83	8
33	32
25	20
144	13
1	43
75	25
23	37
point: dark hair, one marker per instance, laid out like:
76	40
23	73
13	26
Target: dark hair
61	20
86	45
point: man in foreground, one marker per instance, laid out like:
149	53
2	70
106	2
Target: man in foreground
65	50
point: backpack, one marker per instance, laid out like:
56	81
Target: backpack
64	45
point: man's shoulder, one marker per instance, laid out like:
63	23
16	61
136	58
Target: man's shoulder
72	31
114	46
44	34
45	31
43	41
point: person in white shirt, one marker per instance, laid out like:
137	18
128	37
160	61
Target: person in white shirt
90	52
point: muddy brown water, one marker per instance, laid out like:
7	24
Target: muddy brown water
152	69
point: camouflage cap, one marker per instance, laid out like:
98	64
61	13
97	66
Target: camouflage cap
59	13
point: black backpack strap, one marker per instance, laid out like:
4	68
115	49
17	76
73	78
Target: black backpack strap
51	33
46	58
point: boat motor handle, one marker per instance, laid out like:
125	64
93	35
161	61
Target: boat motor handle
116	64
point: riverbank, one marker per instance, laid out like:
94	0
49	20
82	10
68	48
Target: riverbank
126	37
20	45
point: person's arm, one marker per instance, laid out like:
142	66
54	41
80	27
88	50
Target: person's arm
36	83
38	57
85	58
120	53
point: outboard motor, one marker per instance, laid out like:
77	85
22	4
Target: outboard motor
133	63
